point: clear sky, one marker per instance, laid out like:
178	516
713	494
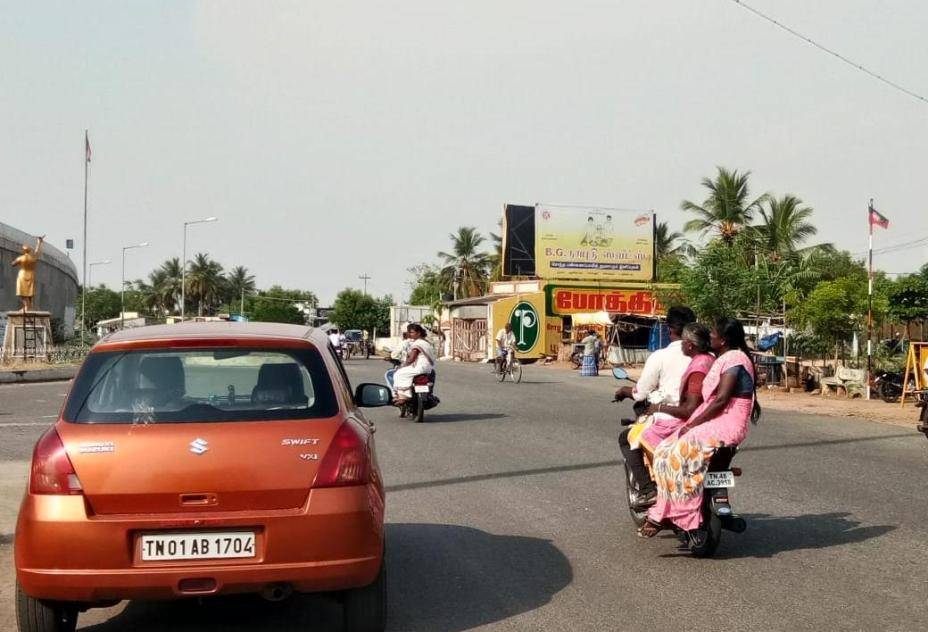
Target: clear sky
338	138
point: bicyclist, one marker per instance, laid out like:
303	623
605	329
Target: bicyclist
505	345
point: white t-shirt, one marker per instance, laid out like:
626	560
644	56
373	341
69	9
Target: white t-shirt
662	375
336	340
505	340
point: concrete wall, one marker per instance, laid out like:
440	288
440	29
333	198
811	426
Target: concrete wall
56	279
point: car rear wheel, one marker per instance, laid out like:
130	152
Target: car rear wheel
366	608
36	615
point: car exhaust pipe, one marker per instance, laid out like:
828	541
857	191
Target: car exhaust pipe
276	592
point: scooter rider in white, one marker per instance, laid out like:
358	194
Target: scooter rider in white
659	384
505	346
419	361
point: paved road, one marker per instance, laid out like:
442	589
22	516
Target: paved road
505	513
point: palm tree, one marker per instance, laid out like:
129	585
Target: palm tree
495	258
785	227
465	266
666	242
205	282
168	284
728	209
239	283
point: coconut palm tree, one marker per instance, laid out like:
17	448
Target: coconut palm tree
667	242
727	209
239	283
205	282
466	267
785	226
168	285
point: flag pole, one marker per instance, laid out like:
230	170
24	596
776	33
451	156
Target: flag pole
870	298
84	247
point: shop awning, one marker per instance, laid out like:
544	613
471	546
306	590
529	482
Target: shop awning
591	318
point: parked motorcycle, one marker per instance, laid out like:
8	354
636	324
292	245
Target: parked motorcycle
423	393
889	386
717	513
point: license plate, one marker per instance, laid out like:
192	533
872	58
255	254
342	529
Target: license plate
715	480
422	389
198	546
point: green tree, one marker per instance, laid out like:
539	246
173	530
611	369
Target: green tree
908	300
666	242
728	207
354	309
265	310
466	267
427	285
719	283
239	283
102	303
785	227
205	283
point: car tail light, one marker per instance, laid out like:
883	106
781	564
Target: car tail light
346	462
52	471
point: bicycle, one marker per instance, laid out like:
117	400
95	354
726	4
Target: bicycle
510	366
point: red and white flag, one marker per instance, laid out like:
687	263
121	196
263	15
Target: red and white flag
86	147
877	219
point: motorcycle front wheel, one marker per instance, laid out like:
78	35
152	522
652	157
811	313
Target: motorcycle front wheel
889	392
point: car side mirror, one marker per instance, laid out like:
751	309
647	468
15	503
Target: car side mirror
620	373
373	395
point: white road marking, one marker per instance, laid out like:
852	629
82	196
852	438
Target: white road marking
49	416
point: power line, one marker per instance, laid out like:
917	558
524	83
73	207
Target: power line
841	57
906	245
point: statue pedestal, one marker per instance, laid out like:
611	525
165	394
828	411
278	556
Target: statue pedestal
28	335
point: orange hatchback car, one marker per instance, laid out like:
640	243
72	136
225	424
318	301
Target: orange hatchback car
205	459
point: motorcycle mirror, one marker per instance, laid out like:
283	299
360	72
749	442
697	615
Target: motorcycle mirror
619	373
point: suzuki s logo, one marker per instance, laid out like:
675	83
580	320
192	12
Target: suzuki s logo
199	446
525	326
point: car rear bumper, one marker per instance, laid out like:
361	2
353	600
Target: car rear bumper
334	543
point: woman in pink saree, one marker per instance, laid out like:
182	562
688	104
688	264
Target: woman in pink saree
681	460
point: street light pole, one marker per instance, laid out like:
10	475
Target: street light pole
122	298
90	270
183	269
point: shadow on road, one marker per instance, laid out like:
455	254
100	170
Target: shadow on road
459	480
441	578
438	419
815	444
768	536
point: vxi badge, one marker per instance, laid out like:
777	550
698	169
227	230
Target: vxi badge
525	326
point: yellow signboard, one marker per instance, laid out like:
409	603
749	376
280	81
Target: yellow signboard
600	244
526	314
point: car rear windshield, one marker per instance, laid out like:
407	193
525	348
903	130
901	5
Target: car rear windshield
201	385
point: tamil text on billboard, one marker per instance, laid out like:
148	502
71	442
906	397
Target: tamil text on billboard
590	243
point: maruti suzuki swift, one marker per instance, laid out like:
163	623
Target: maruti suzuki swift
203	459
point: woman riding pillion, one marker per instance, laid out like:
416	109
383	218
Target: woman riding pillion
666	418
420	360
682	460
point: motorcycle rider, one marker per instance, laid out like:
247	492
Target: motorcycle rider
505	344
335	340
419	361
659	384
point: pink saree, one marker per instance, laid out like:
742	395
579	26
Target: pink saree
681	460
665	425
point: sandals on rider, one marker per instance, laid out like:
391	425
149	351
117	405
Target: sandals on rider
650	529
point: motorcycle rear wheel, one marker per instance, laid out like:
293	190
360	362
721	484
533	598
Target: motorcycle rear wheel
889	392
713	526
639	517
420	410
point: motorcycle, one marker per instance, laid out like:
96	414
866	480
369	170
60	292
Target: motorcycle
889	386
717	512
922	403
423	393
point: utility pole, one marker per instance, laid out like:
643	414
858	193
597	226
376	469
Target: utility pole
364	277
84	244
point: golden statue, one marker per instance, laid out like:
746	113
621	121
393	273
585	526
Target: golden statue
25	281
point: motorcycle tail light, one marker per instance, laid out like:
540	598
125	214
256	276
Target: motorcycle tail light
736	471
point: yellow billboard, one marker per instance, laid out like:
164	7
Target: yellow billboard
592	243
526	314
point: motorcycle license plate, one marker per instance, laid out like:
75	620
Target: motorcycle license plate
422	389
716	480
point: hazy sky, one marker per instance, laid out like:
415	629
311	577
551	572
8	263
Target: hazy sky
337	138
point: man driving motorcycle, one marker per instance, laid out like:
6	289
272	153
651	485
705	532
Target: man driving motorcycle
659	385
